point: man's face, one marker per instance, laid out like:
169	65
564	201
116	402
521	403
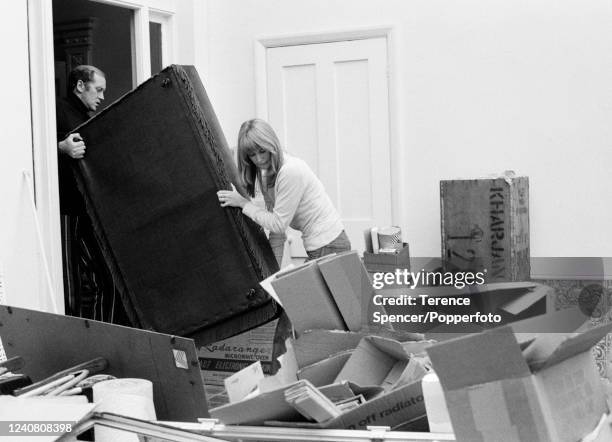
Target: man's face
91	93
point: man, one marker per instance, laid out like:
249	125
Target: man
86	86
88	284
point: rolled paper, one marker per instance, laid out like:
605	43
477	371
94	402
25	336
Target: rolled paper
127	397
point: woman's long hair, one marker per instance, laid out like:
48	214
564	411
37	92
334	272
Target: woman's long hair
253	135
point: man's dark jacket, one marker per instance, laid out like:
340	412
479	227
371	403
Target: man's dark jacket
70	112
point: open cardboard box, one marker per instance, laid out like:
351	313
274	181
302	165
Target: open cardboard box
333	292
545	389
387	262
377	361
316	345
388	361
385	362
272	406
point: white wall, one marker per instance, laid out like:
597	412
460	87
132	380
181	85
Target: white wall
482	86
20	261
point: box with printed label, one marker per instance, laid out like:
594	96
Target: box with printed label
485	225
384	370
377	361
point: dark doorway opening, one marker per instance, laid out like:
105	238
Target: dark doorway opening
87	32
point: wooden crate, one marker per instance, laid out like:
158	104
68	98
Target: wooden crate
485	227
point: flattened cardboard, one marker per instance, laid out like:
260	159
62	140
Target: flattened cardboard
258	409
241	384
307	300
50	343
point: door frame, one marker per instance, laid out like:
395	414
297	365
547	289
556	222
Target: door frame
42	97
263	43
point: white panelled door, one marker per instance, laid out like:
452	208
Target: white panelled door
328	102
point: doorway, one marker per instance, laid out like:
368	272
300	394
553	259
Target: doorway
87	32
329	103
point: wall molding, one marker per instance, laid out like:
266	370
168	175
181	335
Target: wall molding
44	149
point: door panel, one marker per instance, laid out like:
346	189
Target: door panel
328	103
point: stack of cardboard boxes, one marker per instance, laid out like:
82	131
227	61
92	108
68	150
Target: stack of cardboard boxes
534	380
329	302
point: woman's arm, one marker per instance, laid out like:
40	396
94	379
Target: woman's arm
231	198
289	189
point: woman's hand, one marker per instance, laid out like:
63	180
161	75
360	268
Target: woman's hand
231	198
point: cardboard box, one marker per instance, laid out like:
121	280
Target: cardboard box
385	362
377	361
333	293
324	372
307	300
392	407
493	393
485	225
272	406
396	408
317	345
258	409
403	407
350	285
221	359
387	262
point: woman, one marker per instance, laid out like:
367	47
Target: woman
294	195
